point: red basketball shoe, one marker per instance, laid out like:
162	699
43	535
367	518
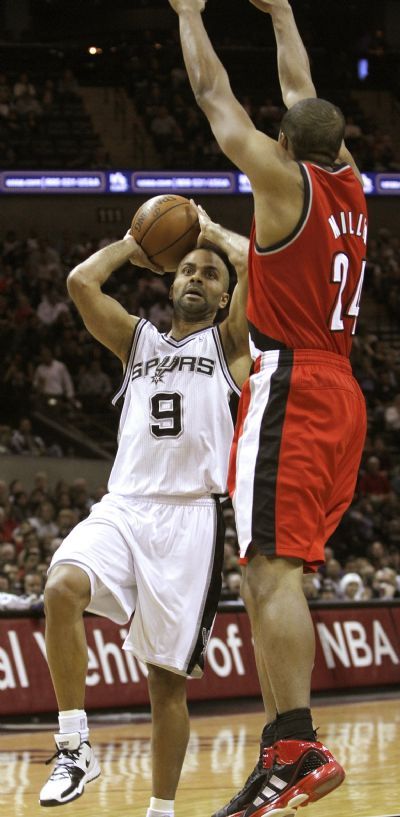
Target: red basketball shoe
302	772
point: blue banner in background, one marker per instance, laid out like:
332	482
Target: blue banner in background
151	183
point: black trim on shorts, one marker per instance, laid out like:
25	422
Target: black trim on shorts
266	467
263	342
213	593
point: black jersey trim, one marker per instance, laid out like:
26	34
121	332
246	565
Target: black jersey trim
182	342
334	169
264	343
125	379
223	361
308	194
211	595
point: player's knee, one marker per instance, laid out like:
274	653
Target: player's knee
164	685
268	578
67	588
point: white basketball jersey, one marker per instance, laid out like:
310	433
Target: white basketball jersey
177	420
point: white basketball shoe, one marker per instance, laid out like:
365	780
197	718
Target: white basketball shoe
75	765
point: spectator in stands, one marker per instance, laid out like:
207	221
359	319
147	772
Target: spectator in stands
52	378
48	95
29	558
231	584
4	583
51	307
374	482
385	584
26	104
43	521
23	86
7	522
377	554
66	520
93	384
33	584
80	499
3	495
17	380
5	439
44	263
5	106
8	553
68	85
351	587
328	591
20	506
162	128
334	572
392	416
11	570
24	441
231	550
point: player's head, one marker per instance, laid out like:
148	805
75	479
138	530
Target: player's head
201	284
313	129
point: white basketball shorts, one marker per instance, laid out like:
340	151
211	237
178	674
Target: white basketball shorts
161	559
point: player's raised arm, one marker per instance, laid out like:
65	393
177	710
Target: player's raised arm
102	315
293	63
251	150
236	247
234	329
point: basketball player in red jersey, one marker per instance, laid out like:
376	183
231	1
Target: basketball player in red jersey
302	420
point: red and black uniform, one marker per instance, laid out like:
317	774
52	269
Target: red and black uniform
301	425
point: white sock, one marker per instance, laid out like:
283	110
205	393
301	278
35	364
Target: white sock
160	807
74	720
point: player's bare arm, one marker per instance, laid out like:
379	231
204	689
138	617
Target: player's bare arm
265	162
232	127
293	63
102	315
234	329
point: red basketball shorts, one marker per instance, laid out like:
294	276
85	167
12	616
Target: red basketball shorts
296	452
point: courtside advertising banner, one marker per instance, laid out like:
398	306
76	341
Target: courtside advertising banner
356	647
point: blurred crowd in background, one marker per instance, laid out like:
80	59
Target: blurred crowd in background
53	375
50	363
44	114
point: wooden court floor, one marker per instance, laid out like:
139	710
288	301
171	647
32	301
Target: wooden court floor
365	737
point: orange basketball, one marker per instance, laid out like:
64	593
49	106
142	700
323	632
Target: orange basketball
166	227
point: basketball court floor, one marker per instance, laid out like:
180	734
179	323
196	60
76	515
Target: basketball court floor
364	735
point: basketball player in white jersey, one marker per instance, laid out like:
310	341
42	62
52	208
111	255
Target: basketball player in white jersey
154	544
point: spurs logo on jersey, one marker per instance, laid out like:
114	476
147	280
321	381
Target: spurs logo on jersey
177	420
156	368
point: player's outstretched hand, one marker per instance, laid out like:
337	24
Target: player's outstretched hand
139	258
187	5
269	6
206	225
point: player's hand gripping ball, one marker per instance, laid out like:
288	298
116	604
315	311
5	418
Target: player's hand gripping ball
167	228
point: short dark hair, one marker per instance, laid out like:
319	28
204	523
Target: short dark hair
314	129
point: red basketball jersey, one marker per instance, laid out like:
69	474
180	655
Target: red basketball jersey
304	293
